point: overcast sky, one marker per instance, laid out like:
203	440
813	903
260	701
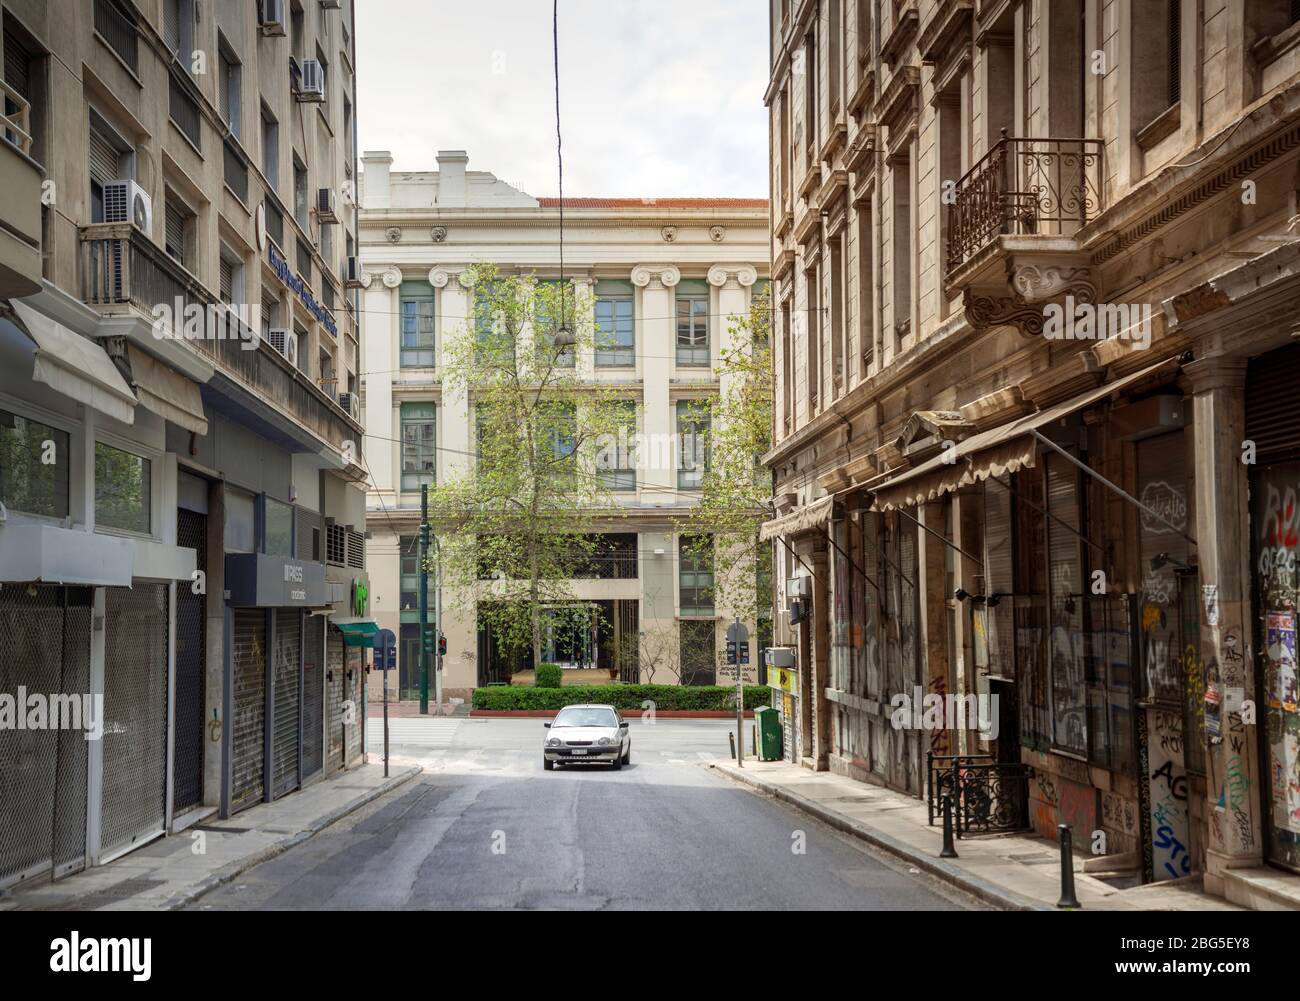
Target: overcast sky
658	98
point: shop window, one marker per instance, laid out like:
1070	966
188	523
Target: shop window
122	489
34	466
277	528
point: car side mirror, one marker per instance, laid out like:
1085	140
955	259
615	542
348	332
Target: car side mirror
622	724
547	725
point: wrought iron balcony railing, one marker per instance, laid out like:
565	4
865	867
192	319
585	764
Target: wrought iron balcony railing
1025	187
123	267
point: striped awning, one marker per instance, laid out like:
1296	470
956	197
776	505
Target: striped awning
802	519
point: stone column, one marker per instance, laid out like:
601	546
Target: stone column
655	344
731	283
820	648
381	302
932	619
457	423
1233	776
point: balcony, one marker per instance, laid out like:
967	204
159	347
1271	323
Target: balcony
1011	228
124	272
21	179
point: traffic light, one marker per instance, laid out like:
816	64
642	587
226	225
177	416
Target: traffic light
442	645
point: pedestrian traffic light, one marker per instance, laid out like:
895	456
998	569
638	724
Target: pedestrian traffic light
442	645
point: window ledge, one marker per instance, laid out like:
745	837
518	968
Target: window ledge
1272	47
1162	126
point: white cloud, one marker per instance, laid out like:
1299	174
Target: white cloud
657	98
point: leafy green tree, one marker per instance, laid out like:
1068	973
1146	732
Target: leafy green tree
736	492
514	523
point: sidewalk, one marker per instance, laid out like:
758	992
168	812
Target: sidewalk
166	874
1010	872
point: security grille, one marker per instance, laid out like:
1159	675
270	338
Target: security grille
335	684
191	647
133	806
336	545
352	730
313	696
248	659
44	646
285	726
356	550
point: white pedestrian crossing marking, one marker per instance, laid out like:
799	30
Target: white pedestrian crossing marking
415	732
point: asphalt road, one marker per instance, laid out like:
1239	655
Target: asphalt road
486	827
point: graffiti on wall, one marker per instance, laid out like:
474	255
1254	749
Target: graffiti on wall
1170	832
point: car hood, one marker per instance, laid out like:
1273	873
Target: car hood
592	733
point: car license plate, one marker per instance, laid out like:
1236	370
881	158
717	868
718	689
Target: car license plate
578	751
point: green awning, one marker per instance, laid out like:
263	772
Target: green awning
357	631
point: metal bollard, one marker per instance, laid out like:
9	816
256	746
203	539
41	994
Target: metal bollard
1068	898
731	738
948	850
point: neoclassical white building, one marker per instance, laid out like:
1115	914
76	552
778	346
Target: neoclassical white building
664	275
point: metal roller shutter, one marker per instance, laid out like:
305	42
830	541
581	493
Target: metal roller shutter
134	802
44	646
313	696
335	683
104	157
285	734
1272	418
248	662
191	672
355	670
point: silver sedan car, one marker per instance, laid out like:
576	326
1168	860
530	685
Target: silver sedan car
587	733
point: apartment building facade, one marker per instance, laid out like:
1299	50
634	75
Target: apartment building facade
1033	273
182	531
664	278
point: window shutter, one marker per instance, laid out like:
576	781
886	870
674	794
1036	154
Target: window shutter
18	66
105	159
227	281
172	24
174	232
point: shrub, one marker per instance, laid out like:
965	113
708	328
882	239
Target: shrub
628	698
548	676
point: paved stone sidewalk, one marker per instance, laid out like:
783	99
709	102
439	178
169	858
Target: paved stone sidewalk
167	874
1013	872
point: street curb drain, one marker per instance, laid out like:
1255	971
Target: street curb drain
235	869
982	889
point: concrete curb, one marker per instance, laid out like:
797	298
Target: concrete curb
990	893
232	871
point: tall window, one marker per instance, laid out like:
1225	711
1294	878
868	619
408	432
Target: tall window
810	96
231	276
550	309
615	325
410	582
416	304
813	325
122	489
419	445
616	458
228	84
901	290
693	427
34	466
271	148
300	192
839	331
178	29
178	225
277	527
695	576
866	288
787	365
110	159
693	323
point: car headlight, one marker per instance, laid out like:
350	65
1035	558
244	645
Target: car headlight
605	741
553	742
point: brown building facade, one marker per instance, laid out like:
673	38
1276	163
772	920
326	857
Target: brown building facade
1034	273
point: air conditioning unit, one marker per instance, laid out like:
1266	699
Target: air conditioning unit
126	201
353	276
313	81
291	350
285	342
270	17
326	206
352	404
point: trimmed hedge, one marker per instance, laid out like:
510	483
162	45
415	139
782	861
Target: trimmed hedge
710	698
548	676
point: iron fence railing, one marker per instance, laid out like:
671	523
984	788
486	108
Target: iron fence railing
988	796
1023	187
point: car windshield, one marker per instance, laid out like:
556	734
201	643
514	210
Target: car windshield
586	717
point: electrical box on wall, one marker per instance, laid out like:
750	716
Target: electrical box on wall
1152	416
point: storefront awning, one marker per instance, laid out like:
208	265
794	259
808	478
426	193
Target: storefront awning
76	366
994	452
802	519
168	394
357	631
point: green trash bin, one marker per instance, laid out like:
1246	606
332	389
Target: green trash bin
768	722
